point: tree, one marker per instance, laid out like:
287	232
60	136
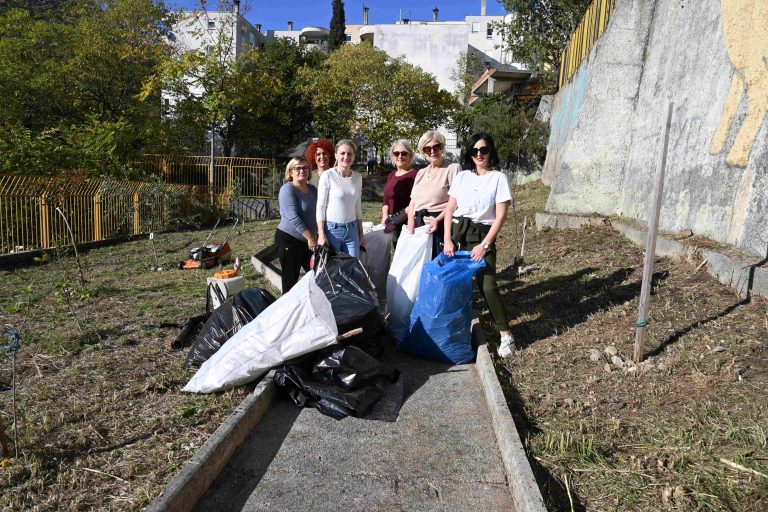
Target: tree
337	37
469	67
361	92
539	31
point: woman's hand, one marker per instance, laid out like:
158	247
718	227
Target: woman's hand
478	253
449	249
321	241
312	243
411	224
433	226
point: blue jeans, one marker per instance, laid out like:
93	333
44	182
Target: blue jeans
343	237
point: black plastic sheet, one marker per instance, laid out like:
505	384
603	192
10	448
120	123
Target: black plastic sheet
225	321
353	299
337	381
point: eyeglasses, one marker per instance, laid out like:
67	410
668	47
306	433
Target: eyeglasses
483	151
431	149
301	168
398	154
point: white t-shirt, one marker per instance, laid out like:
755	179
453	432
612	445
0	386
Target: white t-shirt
339	198
477	196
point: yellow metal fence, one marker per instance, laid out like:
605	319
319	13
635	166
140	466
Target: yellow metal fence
33	209
584	37
251	177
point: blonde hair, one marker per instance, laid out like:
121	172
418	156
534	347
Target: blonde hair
347	142
428	136
293	163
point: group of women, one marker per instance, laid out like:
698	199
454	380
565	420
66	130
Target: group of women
320	204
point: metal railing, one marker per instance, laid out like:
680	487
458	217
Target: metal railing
33	209
584	38
252	177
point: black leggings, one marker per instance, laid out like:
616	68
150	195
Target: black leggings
294	254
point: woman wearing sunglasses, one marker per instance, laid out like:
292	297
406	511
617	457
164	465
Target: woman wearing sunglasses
296	236
339	207
397	191
429	195
476	211
320	157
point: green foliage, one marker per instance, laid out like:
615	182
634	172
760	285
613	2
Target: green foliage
469	67
539	31
337	37
360	91
519	137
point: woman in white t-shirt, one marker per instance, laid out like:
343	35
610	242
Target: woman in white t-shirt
339	207
476	211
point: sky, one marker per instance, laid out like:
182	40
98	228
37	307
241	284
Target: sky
275	14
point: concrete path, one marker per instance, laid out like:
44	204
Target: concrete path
440	454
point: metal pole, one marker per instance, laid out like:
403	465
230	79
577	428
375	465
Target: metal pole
650	246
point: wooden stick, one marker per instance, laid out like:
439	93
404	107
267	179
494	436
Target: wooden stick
522	245
105	474
650	246
349	334
742	468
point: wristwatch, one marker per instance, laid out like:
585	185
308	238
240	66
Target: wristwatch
485	246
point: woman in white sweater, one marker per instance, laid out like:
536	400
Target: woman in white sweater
339	208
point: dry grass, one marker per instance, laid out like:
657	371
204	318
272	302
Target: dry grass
647	438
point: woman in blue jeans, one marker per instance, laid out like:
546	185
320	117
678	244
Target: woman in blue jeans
339	208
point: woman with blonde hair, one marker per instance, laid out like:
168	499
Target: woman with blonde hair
296	236
397	191
339	203
429	195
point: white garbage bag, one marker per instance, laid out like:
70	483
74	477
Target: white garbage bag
413	251
376	256
299	322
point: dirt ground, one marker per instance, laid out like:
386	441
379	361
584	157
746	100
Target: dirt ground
103	423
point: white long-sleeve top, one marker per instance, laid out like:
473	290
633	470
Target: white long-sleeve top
338	198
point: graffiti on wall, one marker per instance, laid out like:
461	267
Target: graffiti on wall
745	30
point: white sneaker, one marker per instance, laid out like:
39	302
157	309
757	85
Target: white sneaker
507	346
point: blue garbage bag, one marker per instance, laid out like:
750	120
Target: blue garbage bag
440	327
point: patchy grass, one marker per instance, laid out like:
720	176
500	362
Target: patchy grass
648	437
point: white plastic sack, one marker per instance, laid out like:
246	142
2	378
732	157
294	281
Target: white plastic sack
298	322
376	256
412	252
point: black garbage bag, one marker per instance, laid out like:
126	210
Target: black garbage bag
337	381
353	299
225	321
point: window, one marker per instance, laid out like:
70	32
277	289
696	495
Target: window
489	32
211	24
475	26
349	38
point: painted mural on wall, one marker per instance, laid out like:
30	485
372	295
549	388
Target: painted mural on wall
745	29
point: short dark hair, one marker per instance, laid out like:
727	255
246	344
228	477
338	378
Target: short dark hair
493	156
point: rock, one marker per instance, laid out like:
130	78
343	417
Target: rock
631	369
661	367
610	351
617	361
607	368
719	348
594	355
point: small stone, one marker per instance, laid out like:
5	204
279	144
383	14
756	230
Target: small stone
719	348
610	351
617	361
607	368
632	369
661	367
594	355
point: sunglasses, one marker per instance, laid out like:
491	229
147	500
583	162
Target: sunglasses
301	168
483	151
398	154
431	149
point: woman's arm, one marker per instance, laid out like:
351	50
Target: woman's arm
323	190
478	252
448	247
384	213
411	210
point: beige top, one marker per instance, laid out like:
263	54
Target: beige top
430	188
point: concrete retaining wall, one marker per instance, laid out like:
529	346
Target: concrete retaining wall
711	60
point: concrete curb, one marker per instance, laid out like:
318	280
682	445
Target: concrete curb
196	476
526	494
744	274
260	263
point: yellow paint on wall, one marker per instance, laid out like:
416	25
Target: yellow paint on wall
745	28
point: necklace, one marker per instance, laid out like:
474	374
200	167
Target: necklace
431	175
